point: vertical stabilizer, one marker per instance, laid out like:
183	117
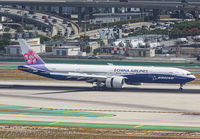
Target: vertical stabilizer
30	56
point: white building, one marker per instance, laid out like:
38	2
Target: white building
135	10
94	45
34	44
68	51
3	19
129	43
102	20
1	27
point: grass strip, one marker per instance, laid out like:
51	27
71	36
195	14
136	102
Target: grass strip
148	127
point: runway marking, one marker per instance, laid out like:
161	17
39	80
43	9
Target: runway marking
83	116
67	112
54	123
95	110
23	113
89	115
31	108
138	126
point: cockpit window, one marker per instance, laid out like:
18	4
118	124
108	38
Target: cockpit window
189	73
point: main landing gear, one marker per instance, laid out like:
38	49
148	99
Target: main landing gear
99	86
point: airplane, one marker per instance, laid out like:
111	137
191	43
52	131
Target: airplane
103	76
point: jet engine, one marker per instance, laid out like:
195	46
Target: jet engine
114	82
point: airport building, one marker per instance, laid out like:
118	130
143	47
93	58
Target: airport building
190	51
93	45
50	45
105	50
141	52
68	51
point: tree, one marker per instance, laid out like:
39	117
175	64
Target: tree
29	28
43	38
57	37
7	29
19	30
3	43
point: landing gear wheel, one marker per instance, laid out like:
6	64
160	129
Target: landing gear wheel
99	86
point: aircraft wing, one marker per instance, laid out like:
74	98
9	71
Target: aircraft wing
82	76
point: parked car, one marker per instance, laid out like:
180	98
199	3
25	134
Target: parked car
65	21
59	32
72	32
31	12
46	20
66	34
19	12
182	40
54	21
44	17
145	27
152	26
137	28
34	17
69	25
25	15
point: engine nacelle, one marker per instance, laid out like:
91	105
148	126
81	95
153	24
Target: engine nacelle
114	82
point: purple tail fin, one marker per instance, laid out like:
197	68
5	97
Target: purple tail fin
30	57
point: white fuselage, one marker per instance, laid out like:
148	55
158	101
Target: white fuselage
116	70
132	73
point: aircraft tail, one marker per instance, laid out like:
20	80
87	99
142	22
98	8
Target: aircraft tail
30	57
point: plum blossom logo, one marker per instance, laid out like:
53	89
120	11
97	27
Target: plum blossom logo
31	57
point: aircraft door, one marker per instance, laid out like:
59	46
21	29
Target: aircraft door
153	77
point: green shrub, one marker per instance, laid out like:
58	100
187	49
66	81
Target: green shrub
7	29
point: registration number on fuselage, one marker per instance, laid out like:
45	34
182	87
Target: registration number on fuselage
165	78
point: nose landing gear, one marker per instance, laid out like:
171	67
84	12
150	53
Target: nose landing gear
181	87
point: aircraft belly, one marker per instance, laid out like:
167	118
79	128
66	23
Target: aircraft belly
154	78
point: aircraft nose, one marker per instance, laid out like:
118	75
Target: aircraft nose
192	77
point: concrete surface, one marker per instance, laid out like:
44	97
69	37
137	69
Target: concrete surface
149	104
